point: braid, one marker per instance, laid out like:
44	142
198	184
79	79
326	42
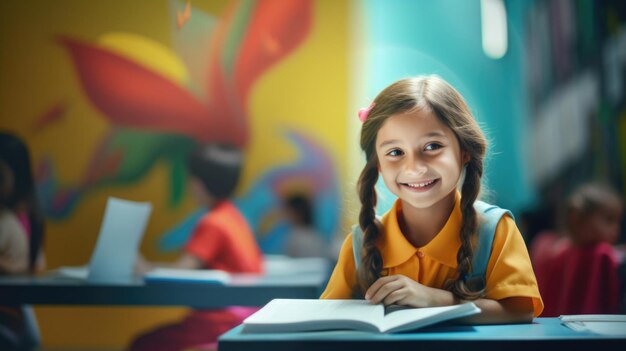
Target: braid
371	259
469	194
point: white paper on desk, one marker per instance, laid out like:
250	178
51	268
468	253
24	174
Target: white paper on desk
605	324
593	318
207	276
122	228
279	265
604	328
73	272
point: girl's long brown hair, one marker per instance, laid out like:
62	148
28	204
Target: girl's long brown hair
15	155
432	94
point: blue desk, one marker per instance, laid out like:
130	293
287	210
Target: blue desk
243	290
543	334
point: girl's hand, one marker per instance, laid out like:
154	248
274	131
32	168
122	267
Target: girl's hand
399	290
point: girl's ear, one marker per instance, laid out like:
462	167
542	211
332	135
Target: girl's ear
465	157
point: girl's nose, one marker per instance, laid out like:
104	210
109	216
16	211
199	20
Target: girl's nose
415	165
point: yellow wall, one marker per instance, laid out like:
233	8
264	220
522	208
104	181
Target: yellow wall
307	90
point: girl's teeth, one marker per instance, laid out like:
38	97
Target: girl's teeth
420	185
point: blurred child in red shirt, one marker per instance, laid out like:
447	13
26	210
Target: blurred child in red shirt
581	275
222	240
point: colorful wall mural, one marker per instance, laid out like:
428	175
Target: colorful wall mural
111	96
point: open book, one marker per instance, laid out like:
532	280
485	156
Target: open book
206	276
297	315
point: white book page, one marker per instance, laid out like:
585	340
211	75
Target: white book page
285	311
412	318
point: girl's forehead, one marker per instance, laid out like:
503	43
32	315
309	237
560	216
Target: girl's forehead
412	124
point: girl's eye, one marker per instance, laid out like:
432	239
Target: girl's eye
432	147
395	152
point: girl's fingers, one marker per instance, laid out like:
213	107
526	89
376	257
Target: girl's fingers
377	285
395	297
388	286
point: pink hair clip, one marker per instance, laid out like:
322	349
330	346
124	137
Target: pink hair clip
364	112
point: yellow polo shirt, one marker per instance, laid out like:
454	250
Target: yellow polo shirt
509	272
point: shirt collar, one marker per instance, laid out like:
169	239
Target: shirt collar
396	249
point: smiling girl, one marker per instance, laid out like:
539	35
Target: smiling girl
420	136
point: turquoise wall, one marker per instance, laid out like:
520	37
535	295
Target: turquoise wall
404	38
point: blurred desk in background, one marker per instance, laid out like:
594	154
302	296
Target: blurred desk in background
242	290
305	279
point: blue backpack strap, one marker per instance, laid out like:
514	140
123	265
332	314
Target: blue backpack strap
488	218
357	244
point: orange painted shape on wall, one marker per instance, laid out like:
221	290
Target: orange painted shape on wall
132	96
